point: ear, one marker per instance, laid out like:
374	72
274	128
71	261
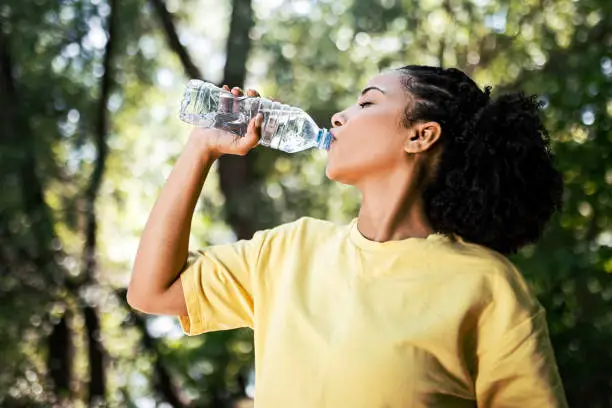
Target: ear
422	136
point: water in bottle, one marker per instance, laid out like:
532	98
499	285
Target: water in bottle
284	127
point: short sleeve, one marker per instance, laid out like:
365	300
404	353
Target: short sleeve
218	286
516	362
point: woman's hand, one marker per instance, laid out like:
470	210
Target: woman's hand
218	142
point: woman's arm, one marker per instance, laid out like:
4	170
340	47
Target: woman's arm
516	360
163	249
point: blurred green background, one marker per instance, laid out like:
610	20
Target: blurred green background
89	94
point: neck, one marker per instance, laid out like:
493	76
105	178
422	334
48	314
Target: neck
392	209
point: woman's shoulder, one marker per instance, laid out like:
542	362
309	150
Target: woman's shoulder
479	257
304	227
501	276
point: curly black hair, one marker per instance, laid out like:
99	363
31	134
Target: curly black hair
495	183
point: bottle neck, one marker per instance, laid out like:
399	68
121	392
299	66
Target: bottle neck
324	138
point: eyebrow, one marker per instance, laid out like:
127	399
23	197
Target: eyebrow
369	88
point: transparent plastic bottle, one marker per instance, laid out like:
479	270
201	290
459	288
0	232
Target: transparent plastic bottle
284	127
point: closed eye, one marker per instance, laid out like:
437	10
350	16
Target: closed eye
364	104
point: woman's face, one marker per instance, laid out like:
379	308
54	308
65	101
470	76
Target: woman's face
369	136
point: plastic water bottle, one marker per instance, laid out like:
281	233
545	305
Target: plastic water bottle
284	127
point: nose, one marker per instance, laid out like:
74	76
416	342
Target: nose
338	119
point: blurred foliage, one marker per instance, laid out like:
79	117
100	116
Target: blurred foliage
314	54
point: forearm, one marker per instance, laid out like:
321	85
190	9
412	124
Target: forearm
164	244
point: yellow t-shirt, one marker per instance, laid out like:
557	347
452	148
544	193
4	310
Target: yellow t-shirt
344	322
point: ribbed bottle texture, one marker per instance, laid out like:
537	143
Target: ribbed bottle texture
284	127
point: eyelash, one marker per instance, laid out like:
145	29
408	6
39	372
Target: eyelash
364	104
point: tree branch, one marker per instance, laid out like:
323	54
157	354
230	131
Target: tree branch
191	70
97	384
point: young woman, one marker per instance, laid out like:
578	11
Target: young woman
413	304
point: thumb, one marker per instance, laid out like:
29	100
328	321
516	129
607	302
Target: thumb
253	132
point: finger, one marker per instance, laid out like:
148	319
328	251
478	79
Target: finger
258	125
236	91
225	102
251	127
248	140
254	130
232	105
255	124
253	94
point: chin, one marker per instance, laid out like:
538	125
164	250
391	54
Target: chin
340	175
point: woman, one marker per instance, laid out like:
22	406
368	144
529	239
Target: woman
413	304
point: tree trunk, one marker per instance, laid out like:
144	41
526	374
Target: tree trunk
16	137
162	380
236	174
97	375
97	381
59	359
